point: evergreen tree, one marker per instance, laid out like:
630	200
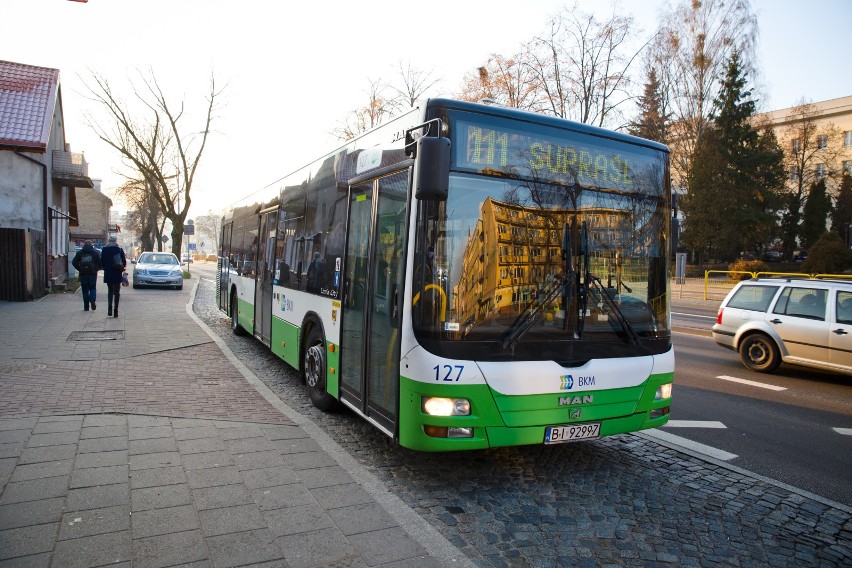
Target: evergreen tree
841	215
815	213
651	122
734	188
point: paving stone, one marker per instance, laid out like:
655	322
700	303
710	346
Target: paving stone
25	541
297	445
12	449
42	470
283	432
97	550
235	431
97	420
54	439
157	522
136	421
169	549
160	497
148	432
48	453
387	545
34	490
97	445
157	460
18	423
101	459
200	446
282	496
12	436
341	496
189	423
357	519
208	430
231	519
157	476
326	477
33	561
77	524
211	477
98	497
96	476
103	432
238	549
221	496
249	445
323	547
309	460
29	513
44	427
258	460
297	519
269	476
207	460
152	446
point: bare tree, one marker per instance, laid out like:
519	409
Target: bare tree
209	227
690	52
413	85
581	65
155	143
377	108
811	150
506	81
144	217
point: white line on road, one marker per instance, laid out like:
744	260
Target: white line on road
844	431
694	424
751	383
690	445
693	315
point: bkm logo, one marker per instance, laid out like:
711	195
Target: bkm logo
567	382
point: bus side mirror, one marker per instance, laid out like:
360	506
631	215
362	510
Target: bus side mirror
432	168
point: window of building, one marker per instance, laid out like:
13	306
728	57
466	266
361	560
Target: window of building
847	167
796	145
820	171
794	173
822	141
847	138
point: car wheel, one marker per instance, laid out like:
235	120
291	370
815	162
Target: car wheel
236	328
759	353
315	371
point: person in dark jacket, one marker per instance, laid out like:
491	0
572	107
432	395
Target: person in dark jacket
87	262
114	262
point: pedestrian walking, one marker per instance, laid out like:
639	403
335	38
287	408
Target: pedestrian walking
87	262
114	262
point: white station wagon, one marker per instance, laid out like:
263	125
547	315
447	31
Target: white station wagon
797	321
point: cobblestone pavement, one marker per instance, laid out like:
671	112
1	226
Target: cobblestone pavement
619	501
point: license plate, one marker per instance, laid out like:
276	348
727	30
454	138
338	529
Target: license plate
573	433
158	280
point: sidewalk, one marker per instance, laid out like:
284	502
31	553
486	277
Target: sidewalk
138	441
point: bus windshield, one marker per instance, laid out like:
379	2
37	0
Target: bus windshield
551	245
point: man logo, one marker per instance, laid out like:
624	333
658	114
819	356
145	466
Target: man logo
572	400
567	382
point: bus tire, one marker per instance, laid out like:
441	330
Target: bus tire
236	328
315	370
759	353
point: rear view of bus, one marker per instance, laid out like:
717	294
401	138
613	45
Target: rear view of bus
536	291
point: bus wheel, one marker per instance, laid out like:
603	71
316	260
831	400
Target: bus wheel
315	371
235	320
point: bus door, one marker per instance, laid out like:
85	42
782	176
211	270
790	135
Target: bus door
224	265
265	273
372	296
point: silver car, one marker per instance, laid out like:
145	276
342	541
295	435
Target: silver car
158	269
797	321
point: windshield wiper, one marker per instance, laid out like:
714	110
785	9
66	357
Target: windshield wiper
558	287
590	280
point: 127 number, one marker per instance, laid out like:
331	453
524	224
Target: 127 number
449	371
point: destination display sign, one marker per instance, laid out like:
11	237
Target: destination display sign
551	155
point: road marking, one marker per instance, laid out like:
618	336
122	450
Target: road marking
694	424
751	383
693	315
690	445
844	431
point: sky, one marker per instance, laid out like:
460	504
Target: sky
292	72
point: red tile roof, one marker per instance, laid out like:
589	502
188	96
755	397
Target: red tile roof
27	100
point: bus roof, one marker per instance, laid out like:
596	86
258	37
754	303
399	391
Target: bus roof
548	120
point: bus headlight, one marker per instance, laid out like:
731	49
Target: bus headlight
663	391
439	406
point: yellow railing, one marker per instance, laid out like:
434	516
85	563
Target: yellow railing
724	285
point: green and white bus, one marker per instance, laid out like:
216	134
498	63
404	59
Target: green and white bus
466	276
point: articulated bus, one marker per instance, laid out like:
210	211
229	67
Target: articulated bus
466	276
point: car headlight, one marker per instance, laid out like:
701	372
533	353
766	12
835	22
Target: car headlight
177	273
439	406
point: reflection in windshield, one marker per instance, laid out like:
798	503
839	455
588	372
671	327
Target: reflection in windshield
492	256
